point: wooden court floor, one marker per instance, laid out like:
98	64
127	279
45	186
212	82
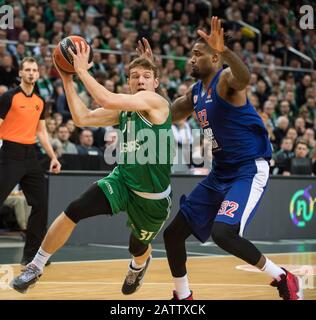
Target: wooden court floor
212	277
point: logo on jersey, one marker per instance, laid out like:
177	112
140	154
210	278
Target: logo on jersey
202	116
109	187
195	98
302	207
130	146
209	95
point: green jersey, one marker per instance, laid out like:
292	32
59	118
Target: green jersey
145	152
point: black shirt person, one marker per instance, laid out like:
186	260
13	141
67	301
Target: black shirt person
21	120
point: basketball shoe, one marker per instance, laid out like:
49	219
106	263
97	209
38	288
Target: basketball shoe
289	286
26	279
134	278
175	296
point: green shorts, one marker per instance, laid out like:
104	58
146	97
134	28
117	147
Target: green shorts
145	216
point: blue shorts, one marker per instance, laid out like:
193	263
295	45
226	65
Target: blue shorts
229	195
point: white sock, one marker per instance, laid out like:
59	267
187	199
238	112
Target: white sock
272	269
137	266
41	258
182	287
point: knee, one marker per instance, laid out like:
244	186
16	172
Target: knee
74	211
168	235
222	233
136	247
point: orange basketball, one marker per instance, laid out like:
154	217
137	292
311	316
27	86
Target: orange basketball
63	58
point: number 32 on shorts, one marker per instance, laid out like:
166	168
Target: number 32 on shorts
145	235
227	208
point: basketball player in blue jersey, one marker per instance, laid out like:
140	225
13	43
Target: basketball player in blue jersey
224	203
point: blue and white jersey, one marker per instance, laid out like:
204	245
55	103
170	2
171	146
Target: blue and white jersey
237	133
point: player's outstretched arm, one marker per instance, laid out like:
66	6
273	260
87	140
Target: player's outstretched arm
182	107
237	76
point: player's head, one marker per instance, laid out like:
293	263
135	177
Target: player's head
204	60
142	75
29	71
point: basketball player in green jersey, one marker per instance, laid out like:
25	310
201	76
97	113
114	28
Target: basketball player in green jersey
141	188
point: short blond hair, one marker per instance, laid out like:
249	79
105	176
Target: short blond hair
28	59
145	63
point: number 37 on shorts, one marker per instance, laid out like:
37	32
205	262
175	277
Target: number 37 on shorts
146	235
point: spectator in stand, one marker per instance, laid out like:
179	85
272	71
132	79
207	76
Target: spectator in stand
73	131
44	84
309	137
300	126
305	83
86	144
292	134
51	127
63	136
280	131
300	163
268	109
285	110
42	51
280	158
59	118
304	112
262	91
8	73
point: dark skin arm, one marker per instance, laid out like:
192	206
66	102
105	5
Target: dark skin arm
237	75
182	107
234	80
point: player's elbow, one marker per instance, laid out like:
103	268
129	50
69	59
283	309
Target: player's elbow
79	122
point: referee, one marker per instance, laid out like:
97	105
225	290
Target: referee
21	120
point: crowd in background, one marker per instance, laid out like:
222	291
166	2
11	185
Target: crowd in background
286	100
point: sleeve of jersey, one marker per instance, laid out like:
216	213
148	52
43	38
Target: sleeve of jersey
42	117
5	104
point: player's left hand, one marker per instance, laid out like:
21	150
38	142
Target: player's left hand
216	38
81	58
64	75
144	50
55	166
